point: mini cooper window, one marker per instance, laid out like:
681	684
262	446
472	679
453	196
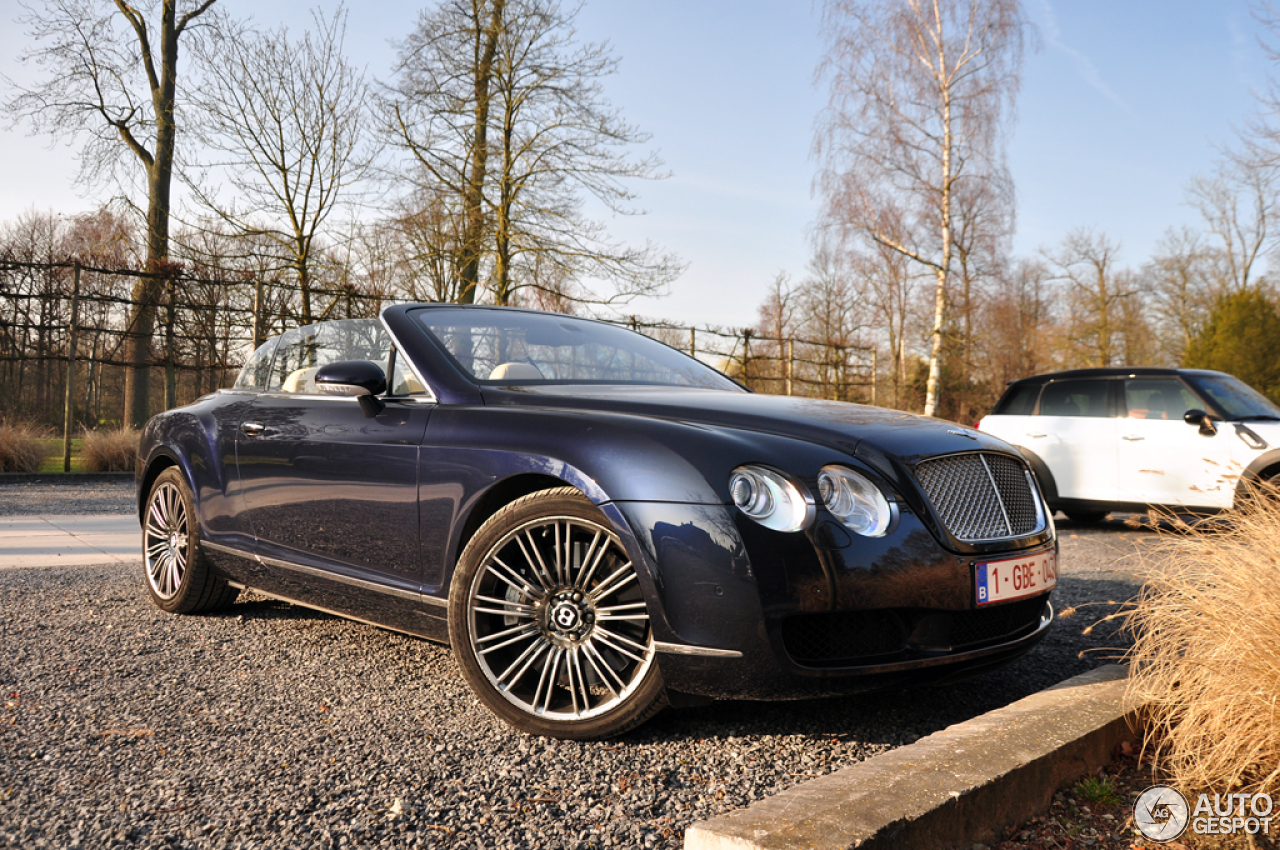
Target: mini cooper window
1020	401
304	350
1157	398
517	347
1236	398
1074	398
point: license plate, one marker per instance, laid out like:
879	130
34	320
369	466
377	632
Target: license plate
1000	581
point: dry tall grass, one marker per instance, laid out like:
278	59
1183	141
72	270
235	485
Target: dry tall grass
1207	652
115	450
22	448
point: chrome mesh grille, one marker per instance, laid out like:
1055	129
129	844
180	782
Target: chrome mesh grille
980	496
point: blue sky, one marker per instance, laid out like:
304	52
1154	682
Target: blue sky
1121	106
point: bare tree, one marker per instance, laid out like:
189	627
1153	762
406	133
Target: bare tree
920	90
284	118
428	235
438	113
884	283
1183	283
1238	203
983	227
502	111
1097	292
1023	337
106	78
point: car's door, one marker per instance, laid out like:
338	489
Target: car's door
1163	460
1075	435
332	494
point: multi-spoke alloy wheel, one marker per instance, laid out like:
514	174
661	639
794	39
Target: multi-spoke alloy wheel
549	622
165	540
177	575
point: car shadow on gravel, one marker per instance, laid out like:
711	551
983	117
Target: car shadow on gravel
259	608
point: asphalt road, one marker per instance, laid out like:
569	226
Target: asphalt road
274	726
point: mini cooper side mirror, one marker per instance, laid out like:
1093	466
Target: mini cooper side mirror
360	378
1200	418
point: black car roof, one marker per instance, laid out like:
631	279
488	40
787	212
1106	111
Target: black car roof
1112	372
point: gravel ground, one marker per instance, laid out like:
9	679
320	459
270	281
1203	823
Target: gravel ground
27	498
271	725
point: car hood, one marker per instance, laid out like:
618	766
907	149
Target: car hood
848	427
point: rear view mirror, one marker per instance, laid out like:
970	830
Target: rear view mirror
1202	420
363	379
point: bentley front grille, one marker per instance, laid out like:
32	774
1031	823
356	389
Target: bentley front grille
982	496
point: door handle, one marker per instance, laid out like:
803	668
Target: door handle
1133	439
252	429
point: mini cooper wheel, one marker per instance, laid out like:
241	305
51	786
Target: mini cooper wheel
549	624
178	575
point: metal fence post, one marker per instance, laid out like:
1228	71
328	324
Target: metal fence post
69	409
170	367
874	374
791	361
257	314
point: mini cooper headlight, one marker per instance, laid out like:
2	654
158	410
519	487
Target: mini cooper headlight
855	501
770	498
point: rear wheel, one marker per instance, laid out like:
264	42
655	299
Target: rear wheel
178	575
549	624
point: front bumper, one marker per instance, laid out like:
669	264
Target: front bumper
771	674
744	612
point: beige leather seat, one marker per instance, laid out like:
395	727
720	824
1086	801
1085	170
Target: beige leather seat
300	381
515	372
409	384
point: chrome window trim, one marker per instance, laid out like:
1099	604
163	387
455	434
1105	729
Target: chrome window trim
329	574
412	366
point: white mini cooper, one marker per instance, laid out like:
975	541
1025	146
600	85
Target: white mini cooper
1125	439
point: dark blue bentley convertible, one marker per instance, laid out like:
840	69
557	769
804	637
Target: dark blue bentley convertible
597	523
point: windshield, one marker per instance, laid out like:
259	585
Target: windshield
512	348
1236	398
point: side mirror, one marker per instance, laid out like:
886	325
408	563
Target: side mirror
1202	420
360	378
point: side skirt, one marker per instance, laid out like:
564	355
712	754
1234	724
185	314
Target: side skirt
358	599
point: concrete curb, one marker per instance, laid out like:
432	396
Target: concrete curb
958	786
63	477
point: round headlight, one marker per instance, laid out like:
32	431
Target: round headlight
770	498
855	501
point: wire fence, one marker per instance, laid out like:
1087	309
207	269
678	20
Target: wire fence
64	328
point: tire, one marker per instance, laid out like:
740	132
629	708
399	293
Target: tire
1086	517
179	577
548	622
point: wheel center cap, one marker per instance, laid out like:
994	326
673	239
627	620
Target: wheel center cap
173	541
566	616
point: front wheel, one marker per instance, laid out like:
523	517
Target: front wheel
549	624
179	578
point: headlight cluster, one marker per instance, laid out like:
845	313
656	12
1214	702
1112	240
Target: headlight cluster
777	501
770	498
854	500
